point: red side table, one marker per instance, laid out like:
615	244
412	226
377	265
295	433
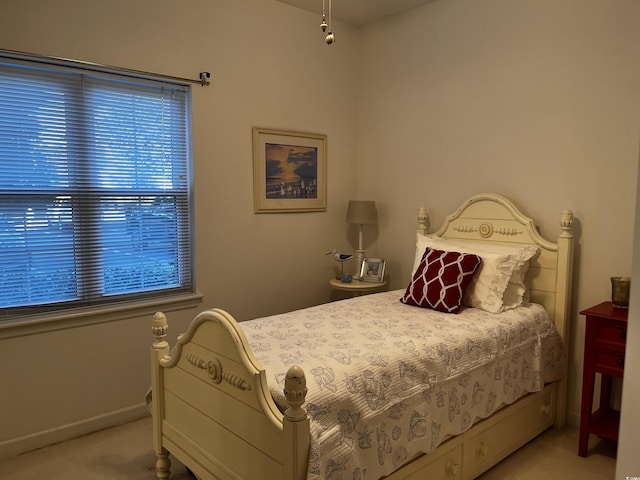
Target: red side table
604	345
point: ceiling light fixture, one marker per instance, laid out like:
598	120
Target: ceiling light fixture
330	38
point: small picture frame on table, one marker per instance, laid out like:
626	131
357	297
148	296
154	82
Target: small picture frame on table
372	270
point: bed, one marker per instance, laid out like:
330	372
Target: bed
225	415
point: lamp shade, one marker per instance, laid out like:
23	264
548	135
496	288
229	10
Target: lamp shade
362	212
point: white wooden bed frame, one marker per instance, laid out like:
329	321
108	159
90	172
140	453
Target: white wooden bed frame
213	411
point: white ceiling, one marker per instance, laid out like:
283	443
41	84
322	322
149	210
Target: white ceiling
359	12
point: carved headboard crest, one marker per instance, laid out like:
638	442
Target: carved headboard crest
486	230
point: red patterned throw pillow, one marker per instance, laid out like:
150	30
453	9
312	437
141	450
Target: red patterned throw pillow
441	279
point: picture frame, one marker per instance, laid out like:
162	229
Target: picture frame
372	270
289	171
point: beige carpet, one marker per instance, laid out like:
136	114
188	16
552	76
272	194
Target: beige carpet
125	453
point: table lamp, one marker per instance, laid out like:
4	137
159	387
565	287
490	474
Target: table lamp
361	212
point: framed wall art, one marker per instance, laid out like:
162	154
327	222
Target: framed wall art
289	171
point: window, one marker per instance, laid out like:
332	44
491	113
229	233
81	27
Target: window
94	188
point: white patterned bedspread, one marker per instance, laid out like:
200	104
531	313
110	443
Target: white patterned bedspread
388	381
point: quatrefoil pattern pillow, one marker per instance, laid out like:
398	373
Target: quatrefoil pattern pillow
441	280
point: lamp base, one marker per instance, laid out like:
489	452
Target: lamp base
360	259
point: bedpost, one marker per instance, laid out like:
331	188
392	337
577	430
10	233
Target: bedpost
159	349
296	425
563	302
423	221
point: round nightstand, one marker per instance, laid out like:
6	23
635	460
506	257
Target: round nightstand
357	287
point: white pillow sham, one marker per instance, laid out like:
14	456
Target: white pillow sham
498	284
516	293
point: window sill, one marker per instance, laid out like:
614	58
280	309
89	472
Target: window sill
90	316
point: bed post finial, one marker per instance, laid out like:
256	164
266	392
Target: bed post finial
423	221
159	329
295	391
566	223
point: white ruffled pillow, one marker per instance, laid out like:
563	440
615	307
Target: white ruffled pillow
498	284
516	293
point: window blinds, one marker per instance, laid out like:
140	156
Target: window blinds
94	188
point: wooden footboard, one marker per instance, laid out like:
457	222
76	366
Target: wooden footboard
212	408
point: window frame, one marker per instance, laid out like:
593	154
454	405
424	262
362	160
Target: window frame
39	318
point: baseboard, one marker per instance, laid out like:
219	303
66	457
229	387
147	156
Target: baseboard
16	446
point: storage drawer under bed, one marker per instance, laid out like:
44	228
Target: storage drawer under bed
503	433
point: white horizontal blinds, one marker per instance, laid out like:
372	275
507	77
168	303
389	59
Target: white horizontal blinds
137	143
37	251
94	188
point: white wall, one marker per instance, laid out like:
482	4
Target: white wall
270	68
539	101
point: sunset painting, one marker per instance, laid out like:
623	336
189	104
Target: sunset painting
291	171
